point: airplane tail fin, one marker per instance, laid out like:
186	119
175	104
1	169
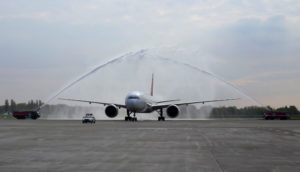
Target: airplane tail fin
152	85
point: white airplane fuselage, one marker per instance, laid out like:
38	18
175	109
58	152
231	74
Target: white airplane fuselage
138	102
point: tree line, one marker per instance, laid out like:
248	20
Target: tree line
214	112
251	111
10	106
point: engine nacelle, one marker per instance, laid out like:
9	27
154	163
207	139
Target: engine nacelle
111	111
172	111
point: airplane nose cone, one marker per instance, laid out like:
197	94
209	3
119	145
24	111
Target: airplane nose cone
131	105
134	105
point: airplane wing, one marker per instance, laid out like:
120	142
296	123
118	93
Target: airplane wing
189	103
165	101
90	102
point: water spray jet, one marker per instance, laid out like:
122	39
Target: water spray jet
211	75
140	55
114	60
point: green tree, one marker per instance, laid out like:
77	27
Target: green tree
282	109
40	103
293	110
6	106
12	105
36	104
22	106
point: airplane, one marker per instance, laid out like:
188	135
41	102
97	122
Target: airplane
137	102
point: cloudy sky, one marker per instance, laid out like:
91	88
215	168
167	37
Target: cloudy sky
254	44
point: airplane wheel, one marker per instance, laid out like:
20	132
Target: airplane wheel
161	118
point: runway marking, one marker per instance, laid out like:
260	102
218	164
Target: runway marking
210	150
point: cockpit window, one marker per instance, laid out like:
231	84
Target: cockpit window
133	97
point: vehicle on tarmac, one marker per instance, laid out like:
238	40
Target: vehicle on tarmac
276	115
89	118
26	114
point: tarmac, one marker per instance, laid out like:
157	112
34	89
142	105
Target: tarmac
203	145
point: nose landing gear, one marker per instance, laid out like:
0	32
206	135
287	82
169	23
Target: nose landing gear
129	118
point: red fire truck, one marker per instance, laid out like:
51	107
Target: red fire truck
276	115
26	114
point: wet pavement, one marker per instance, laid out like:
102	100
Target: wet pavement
204	145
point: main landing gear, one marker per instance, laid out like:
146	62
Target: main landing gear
161	117
134	119
129	118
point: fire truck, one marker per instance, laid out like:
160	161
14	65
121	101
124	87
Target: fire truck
276	115
26	114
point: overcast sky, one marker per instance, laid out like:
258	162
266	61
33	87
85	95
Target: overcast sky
254	44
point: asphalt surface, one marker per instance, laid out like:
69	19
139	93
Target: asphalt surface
207	145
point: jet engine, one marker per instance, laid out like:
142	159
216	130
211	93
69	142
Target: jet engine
111	111
172	111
